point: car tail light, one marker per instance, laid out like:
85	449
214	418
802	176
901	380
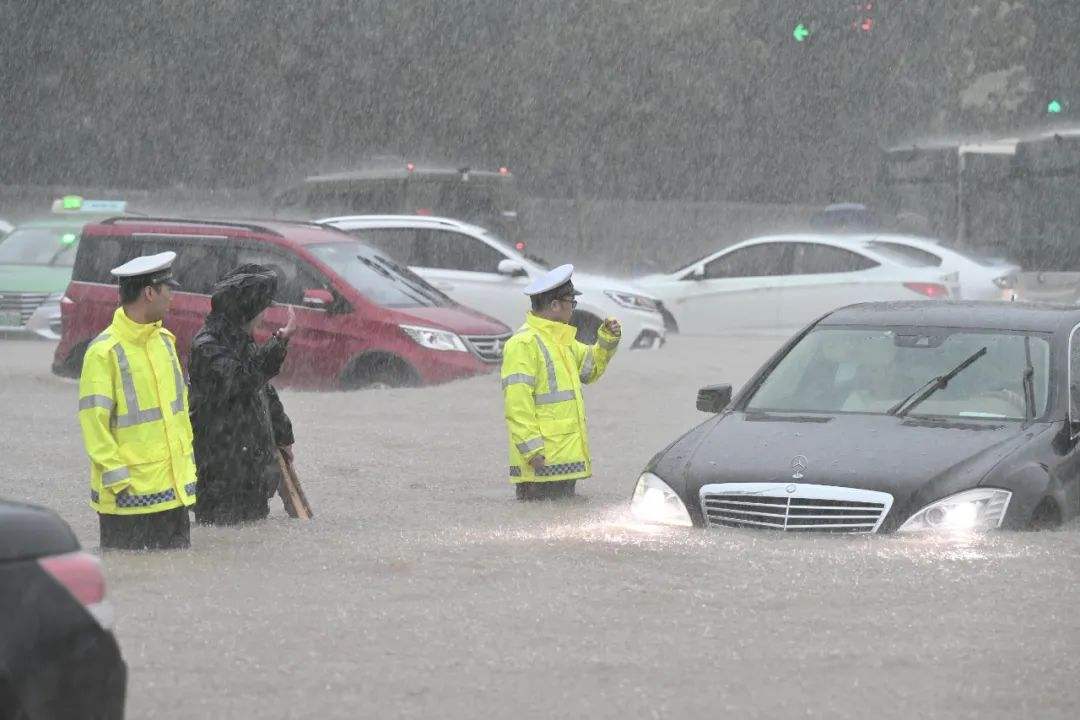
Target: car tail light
930	290
81	574
410	167
504	171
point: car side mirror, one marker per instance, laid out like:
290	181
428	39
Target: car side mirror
511	268
318	299
713	398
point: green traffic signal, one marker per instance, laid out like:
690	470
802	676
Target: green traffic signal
1054	107
801	32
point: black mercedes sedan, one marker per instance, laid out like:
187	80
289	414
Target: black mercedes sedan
889	417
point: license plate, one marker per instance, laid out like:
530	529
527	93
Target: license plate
10	319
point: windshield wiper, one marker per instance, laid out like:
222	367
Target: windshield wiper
1029	381
940	382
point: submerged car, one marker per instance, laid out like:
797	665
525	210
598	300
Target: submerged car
886	417
480	270
35	264
783	282
59	658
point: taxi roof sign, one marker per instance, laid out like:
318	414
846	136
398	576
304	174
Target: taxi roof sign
76	204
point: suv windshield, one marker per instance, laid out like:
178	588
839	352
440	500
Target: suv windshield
870	370
377	277
39	246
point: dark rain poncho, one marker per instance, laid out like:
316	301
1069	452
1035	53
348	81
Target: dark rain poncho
236	416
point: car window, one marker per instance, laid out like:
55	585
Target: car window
818	259
199	262
456	251
871	370
294	275
398	243
762	260
377	196
905	254
95	257
39	246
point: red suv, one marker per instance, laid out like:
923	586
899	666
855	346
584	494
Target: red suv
362	319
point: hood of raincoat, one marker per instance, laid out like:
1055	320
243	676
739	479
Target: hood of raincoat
244	292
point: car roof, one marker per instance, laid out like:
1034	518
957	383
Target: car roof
296	232
426	221
400	172
986	315
66	223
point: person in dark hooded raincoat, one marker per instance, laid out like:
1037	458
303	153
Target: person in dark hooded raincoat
238	420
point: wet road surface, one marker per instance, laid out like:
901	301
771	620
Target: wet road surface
422	589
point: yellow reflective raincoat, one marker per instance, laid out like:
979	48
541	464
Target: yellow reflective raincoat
133	411
543	369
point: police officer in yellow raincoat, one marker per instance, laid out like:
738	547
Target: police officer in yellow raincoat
133	411
544	367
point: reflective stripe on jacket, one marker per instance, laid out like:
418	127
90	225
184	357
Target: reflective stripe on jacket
543	369
133	413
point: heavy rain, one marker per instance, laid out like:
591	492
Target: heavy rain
806	443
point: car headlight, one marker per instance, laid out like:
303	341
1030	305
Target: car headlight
978	509
655	502
434	339
632	301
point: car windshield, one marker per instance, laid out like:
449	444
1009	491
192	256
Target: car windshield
511	249
377	277
39	246
874	369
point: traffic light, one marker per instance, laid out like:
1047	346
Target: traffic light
1055	107
801	32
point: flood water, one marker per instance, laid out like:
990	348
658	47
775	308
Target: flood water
422	589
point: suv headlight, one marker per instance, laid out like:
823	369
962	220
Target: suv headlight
433	339
632	301
655	502
978	509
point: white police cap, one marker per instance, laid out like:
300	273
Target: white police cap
551	280
150	269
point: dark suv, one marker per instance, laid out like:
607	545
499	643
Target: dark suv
391	186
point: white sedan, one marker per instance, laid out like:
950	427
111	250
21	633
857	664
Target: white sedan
479	270
784	282
979	278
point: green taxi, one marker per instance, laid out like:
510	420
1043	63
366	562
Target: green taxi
35	264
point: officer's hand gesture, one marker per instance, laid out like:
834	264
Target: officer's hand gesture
612	326
290	326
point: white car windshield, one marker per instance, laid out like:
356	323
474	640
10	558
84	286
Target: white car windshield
879	370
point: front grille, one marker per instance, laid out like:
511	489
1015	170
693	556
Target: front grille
794	507
20	305
488	348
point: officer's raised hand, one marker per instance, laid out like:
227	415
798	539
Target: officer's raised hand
612	326
284	333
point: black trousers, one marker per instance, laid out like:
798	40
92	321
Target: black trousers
165	530
551	490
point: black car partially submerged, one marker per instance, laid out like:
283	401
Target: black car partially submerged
888	417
